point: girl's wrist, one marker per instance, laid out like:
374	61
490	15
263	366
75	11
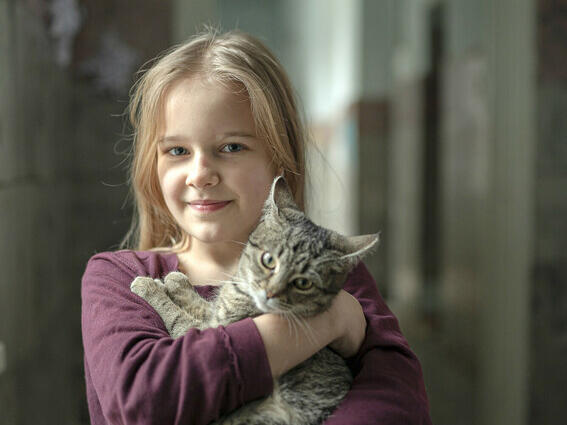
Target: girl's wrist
349	324
333	319
333	322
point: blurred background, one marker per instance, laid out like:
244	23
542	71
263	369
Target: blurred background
440	123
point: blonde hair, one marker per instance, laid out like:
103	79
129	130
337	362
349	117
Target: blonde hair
232	57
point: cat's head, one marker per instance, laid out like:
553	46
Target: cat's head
291	264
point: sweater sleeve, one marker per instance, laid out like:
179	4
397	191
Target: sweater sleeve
388	386
137	374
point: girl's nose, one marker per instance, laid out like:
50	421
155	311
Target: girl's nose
201	173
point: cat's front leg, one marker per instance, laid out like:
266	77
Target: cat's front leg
181	291
175	319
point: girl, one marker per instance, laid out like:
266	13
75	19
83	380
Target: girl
215	120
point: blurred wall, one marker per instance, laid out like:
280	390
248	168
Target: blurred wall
488	320
39	304
548	324
65	70
488	164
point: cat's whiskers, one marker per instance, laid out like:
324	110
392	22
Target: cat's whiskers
293	324
220	282
233	279
298	322
237	242
307	328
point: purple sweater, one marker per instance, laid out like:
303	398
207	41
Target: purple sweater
136	374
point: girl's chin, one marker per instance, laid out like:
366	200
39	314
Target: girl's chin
216	238
213	233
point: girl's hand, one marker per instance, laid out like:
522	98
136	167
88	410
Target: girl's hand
348	319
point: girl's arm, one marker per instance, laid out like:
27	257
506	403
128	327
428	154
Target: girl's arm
136	374
388	387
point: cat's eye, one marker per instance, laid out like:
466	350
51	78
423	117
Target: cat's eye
302	284
268	260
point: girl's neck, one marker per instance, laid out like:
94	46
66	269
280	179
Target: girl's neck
208	264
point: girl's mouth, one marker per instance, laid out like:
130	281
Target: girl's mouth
208	205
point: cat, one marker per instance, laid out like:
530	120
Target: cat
289	266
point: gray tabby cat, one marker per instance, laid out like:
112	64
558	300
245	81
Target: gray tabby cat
292	267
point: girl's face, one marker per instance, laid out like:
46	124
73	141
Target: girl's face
214	173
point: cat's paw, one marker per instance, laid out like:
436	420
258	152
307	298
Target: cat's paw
144	286
176	282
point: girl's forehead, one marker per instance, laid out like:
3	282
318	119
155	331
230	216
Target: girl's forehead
199	94
206	82
199	104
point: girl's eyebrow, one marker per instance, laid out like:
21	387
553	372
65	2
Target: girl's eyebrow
174	138
238	134
179	138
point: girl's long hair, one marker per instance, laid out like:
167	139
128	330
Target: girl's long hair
236	60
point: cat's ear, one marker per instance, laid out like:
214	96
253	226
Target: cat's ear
280	196
354	247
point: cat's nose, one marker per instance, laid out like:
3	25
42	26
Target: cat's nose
269	294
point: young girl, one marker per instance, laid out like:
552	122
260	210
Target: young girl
215	120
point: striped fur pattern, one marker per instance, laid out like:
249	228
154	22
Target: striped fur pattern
292	267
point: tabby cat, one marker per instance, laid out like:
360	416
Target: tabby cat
292	267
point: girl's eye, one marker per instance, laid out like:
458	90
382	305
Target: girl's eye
177	151
302	283
268	261
232	147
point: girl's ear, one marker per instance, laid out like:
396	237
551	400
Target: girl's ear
280	196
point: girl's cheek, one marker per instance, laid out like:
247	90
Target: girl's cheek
172	181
